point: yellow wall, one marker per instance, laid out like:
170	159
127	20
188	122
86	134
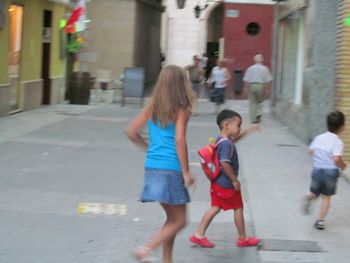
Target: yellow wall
31	41
32	45
31	52
57	66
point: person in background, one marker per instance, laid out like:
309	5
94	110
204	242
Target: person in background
204	61
255	79
196	75
218	79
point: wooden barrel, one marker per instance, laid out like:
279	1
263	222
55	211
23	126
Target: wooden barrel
79	88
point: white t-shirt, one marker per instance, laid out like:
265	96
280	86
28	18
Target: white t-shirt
257	73
218	75
325	146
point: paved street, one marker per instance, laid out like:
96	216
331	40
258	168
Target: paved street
70	180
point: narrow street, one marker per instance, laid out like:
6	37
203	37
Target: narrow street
70	180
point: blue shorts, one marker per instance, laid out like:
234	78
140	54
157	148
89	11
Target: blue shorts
217	95
164	186
324	181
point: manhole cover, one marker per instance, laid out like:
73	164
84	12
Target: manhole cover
289	245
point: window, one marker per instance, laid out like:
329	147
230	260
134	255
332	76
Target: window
253	29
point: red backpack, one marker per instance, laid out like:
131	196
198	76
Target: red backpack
210	160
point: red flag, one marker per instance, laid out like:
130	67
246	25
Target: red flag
77	13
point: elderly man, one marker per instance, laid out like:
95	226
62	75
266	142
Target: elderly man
256	77
196	74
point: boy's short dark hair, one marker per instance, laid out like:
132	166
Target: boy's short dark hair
335	120
226	114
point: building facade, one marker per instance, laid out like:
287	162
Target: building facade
232	29
32	69
121	34
312	65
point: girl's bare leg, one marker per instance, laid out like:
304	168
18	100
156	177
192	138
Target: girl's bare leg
176	220
168	246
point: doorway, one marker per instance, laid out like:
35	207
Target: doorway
46	49
15	23
215	32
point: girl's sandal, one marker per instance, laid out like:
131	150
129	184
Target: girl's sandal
144	255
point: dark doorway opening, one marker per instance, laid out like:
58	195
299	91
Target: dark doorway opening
213	54
46	51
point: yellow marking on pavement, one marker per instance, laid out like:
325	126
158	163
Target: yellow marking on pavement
99	208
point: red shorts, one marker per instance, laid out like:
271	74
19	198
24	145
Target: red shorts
225	198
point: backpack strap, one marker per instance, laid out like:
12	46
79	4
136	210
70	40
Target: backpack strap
220	141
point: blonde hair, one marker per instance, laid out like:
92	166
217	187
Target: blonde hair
171	94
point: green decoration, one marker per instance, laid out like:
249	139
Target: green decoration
63	23
347	20
74	46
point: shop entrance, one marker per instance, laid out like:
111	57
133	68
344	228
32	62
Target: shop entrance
15	22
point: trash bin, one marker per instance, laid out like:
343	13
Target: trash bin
79	88
238	80
133	84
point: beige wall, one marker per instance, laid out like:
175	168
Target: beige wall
109	37
290	6
343	73
147	41
215	25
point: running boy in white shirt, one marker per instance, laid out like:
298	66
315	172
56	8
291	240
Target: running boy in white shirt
326	150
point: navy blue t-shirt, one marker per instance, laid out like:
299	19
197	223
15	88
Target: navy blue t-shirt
227	152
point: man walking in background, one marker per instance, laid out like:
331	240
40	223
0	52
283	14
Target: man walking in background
196	75
255	79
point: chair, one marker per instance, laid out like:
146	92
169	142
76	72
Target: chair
103	83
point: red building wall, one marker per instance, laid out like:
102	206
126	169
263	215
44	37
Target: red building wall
239	45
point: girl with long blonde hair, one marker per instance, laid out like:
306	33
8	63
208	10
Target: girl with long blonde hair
167	174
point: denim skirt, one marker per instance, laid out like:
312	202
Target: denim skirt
164	186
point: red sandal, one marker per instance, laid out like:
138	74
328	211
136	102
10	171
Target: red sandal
203	242
247	242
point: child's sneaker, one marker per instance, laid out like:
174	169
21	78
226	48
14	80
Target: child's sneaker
203	242
247	242
319	224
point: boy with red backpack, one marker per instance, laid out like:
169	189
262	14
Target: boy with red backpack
225	189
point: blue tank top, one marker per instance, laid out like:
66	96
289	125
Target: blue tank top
162	152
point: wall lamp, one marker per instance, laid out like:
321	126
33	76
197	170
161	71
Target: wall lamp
181	4
198	9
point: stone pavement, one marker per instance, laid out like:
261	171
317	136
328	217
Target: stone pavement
62	165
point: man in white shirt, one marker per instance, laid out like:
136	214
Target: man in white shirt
255	79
